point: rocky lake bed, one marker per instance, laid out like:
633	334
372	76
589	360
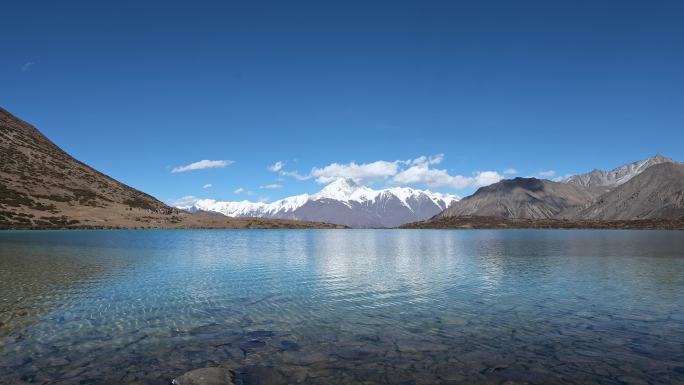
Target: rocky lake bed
342	307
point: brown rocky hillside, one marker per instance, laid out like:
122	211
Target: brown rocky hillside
41	186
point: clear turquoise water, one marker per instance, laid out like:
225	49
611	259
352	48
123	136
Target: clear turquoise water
343	306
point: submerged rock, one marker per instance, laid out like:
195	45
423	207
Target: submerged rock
260	333
205	376
252	344
259	375
289	345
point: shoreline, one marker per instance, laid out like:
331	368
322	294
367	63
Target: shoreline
475	222
459	224
266	226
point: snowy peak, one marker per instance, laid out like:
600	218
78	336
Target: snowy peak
342	202
347	190
407	195
444	199
250	209
344	189
342	184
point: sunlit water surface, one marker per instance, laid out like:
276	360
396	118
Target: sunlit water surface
343	306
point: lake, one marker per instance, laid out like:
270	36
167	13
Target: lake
343	306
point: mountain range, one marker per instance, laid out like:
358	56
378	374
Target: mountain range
520	198
655	193
650	189
342	202
653	186
598	182
41	186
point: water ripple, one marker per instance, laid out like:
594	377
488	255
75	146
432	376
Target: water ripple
344	306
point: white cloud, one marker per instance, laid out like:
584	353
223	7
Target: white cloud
241	190
185	201
277	166
485	178
26	66
413	171
203	164
295	174
436	159
421	172
431	177
510	171
441	178
208	185
547	174
361	173
272	186
263	199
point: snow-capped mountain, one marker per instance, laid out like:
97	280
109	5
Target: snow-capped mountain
342	202
599	181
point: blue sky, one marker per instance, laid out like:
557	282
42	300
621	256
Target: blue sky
418	93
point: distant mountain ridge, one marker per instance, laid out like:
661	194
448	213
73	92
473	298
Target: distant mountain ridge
342	202
529	198
41	186
650	189
657	192
598	181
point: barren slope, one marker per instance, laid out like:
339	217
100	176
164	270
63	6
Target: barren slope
520	198
656	193
42	186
